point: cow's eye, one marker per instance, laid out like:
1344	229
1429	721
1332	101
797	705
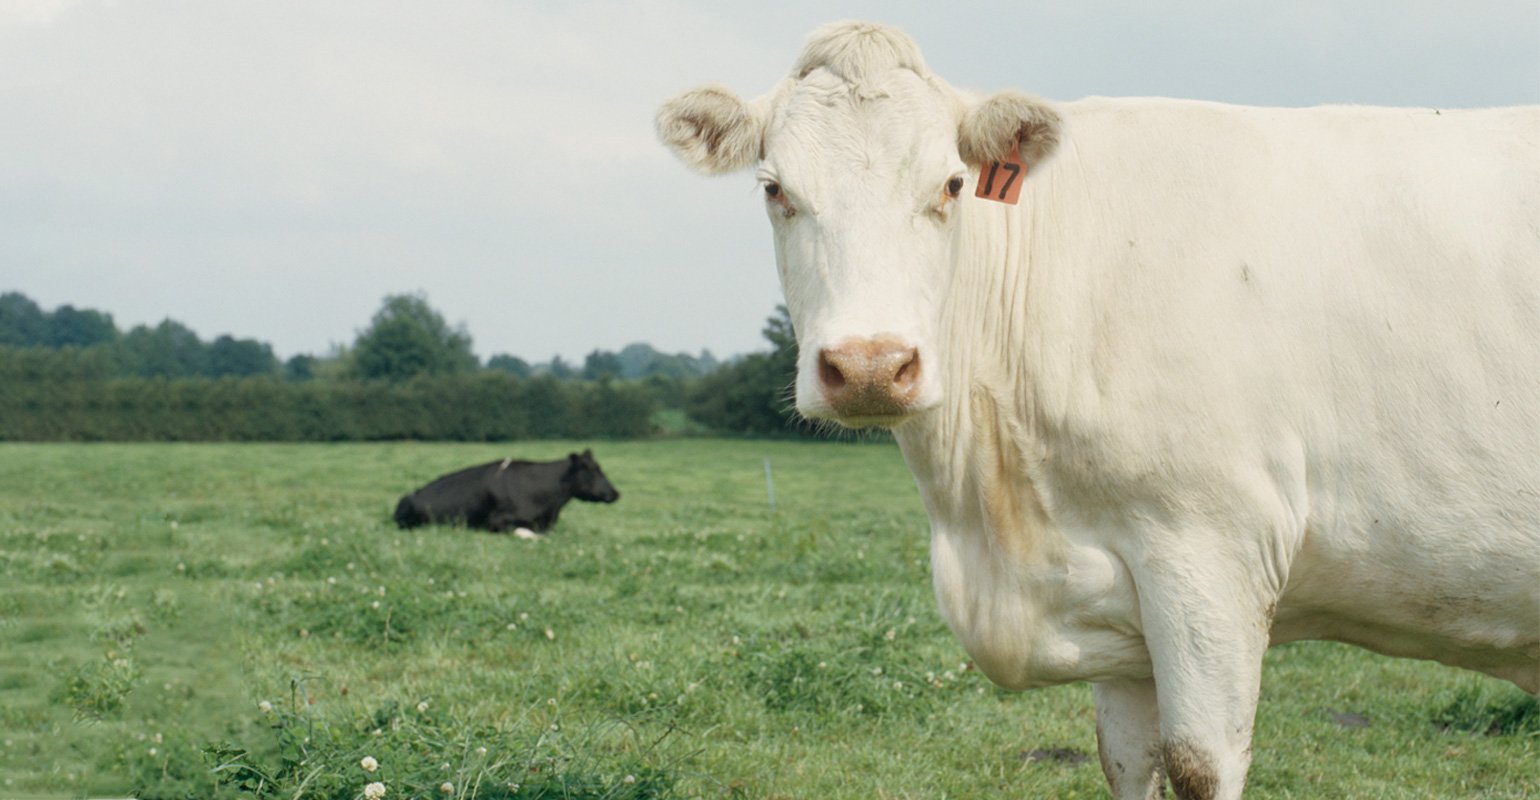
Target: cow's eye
954	187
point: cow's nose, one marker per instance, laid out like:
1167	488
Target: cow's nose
877	377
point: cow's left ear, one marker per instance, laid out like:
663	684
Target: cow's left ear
990	130
712	129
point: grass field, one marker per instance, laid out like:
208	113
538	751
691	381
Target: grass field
223	620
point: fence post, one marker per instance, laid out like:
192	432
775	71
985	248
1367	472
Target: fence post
769	486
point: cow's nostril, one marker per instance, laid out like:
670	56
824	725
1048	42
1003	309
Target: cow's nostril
831	376
909	372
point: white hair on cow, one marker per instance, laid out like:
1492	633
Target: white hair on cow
1004	122
712	129
856	52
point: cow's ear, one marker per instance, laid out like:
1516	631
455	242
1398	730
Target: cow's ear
990	130
712	129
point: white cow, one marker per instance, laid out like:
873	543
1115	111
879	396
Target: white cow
1223	377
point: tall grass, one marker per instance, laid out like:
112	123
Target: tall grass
242	620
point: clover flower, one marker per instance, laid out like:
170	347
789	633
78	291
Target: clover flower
374	791
369	764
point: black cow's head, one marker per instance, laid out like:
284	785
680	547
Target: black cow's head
587	480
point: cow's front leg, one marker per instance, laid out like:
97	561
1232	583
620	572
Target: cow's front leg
1206	628
1128	739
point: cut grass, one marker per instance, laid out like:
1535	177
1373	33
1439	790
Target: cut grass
684	642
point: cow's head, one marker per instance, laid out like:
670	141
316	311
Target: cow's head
865	161
587	481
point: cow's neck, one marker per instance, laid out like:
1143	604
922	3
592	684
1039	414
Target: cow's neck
975	456
1028	595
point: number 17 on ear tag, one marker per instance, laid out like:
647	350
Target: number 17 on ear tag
1001	181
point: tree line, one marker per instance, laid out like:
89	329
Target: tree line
71	374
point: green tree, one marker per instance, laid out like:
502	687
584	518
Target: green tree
22	323
168	350
407	338
513	365
72	327
299	368
601	365
559	369
753	394
240	358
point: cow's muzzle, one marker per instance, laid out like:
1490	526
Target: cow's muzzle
870	381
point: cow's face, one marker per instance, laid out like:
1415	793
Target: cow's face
587	480
863	161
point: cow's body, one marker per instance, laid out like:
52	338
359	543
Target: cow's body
1225	377
507	495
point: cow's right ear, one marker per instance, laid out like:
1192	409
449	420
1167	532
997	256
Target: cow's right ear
712	129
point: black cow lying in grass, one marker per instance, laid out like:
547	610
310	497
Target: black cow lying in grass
519	496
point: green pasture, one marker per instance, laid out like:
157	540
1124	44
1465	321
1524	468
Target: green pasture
192	621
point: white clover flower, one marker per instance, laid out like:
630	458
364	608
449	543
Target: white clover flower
374	791
890	635
369	764
628	779
481	751
422	708
446	787
265	707
550	634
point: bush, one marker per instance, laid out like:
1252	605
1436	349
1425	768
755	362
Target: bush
475	407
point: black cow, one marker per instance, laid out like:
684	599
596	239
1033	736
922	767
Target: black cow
508	495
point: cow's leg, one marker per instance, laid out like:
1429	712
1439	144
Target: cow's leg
1128	739
1206	636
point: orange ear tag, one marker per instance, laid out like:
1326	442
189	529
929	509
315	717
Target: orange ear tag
1001	181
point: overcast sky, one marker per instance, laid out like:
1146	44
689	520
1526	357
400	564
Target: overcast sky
271	169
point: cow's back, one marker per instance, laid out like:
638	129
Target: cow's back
458	496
